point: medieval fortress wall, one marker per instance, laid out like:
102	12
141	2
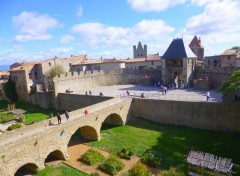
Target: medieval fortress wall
217	75
203	115
76	80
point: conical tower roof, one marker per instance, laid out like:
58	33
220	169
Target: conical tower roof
176	50
195	43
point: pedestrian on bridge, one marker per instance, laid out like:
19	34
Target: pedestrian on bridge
59	118
85	112
67	115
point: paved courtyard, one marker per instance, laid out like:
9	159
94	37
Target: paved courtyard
153	93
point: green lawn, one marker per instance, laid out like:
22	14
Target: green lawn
33	112
171	142
60	170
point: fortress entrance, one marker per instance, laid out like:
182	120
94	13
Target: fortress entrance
178	77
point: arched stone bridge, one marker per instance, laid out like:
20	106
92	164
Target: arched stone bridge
29	146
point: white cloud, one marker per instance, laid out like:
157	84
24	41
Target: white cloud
33	26
80	11
97	33
202	2
218	25
153	5
66	39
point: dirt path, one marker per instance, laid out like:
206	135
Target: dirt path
75	151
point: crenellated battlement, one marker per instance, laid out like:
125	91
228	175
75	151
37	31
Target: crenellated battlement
80	74
211	69
93	73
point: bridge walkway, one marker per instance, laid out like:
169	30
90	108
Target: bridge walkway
42	126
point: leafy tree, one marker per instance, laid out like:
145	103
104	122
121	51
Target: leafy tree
232	84
56	70
236	47
10	90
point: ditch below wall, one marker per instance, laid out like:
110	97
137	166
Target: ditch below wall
204	115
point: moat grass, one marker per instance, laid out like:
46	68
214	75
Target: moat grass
60	170
33	113
172	142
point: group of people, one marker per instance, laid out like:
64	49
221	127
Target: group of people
88	92
67	116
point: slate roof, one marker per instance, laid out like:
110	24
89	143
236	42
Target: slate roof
195	43
176	50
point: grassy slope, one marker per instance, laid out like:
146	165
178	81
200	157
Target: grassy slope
34	113
60	170
172	142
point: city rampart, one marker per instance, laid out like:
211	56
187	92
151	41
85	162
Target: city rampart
76	80
216	75
29	146
204	115
72	102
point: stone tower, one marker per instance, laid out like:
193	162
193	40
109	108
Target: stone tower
197	48
139	51
176	66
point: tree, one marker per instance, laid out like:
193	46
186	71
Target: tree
10	90
236	47
56	71
232	85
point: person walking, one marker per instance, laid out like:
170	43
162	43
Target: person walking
85	112
208	96
67	115
59	118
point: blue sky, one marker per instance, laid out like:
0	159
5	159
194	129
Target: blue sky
34	30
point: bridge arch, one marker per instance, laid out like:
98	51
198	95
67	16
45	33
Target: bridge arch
55	155
114	119
86	132
27	169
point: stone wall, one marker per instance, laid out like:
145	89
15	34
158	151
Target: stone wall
72	102
216	75
43	99
215	116
76	80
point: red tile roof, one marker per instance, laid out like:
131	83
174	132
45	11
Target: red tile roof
153	57
230	52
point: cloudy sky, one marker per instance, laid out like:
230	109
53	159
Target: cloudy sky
34	30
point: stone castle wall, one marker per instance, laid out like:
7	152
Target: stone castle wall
204	115
43	99
76	80
216	75
72	102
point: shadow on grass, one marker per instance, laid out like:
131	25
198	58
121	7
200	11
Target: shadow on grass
174	143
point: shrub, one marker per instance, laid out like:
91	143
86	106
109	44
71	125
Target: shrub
112	165
95	174
92	157
14	126
172	172
139	169
125	153
56	71
152	158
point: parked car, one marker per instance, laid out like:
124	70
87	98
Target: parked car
69	90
